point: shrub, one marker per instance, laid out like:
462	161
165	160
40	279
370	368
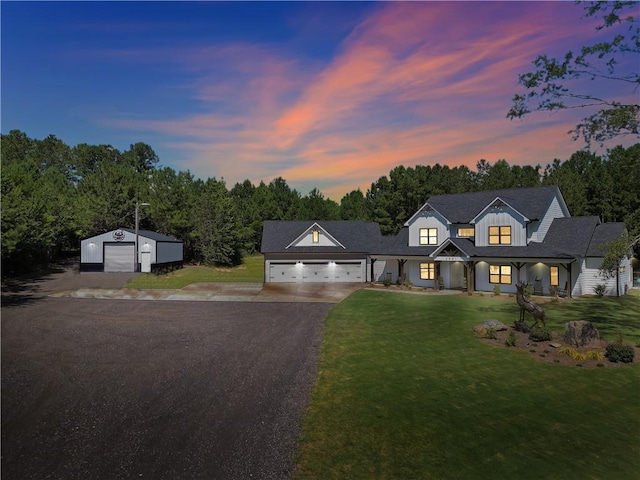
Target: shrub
387	282
599	289
616	352
491	334
593	355
496	290
527	290
511	340
540	334
573	353
408	284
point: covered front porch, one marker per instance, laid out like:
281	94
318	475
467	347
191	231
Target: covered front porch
549	277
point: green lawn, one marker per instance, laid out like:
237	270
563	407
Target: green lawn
406	391
252	270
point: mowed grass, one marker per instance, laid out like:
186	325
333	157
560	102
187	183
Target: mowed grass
251	270
406	391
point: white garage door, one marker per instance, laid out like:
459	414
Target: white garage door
118	257
317	273
349	272
284	272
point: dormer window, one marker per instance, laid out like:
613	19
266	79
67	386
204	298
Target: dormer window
316	236
467	232
428	236
500	235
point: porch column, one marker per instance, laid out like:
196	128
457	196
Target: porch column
471	278
401	263
567	267
437	273
518	266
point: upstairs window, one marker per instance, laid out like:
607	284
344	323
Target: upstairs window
466	232
555	280
500	274
427	271
500	235
428	236
316	236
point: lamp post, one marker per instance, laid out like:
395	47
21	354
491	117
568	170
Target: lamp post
136	254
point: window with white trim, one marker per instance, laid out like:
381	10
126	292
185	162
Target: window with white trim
500	235
428	236
500	274
316	236
427	271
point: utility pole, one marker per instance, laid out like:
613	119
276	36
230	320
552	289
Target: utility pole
136	254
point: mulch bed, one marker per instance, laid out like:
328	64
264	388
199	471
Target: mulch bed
544	352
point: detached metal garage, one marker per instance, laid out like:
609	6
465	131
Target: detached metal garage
318	252
115	251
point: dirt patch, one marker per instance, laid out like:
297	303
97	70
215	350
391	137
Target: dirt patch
544	352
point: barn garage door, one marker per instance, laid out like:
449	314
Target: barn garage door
118	257
284	272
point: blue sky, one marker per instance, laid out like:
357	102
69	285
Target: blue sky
328	94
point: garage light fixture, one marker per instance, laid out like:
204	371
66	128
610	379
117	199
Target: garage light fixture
299	264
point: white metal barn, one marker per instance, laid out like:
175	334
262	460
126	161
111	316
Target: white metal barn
114	251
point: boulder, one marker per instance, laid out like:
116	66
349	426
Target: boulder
483	328
497	325
581	334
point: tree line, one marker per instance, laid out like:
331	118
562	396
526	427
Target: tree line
53	195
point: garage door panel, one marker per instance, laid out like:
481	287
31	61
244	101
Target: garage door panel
283	273
119	257
349	272
316	274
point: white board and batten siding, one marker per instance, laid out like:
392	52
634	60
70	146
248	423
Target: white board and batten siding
501	217
428	220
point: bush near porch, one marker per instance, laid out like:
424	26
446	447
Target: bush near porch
406	390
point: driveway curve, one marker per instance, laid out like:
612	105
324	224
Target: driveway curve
157	389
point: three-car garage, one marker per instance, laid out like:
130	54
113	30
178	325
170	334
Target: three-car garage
318	251
318	271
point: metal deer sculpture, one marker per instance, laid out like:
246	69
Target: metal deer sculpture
527	305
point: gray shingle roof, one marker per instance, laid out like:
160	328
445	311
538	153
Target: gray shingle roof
355	236
398	245
604	233
463	207
571	235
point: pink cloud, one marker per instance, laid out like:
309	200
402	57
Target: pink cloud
413	83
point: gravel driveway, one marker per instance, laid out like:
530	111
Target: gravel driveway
156	389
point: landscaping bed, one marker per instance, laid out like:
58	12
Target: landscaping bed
556	354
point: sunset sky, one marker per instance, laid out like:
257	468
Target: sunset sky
330	95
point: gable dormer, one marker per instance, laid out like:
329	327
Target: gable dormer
499	224
315	236
427	227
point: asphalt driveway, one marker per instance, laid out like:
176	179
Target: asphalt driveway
114	389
